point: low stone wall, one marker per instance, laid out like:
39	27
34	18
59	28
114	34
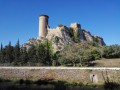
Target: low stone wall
67	74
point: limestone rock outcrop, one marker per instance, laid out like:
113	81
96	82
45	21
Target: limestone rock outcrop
60	37
98	39
87	35
63	35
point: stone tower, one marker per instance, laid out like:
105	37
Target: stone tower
43	24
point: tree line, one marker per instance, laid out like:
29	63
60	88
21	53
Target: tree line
19	56
78	54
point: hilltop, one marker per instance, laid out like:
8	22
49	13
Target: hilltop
61	35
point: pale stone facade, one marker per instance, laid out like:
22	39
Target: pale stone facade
43	24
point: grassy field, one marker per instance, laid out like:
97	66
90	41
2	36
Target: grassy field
106	63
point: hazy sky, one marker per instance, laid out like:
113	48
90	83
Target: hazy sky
19	18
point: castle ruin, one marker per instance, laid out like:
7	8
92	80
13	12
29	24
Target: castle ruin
43	24
61	35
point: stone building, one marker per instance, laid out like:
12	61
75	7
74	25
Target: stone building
43	24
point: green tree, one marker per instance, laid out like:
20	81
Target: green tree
70	56
1	53
32	58
47	50
76	34
41	53
116	49
23	56
107	52
10	52
78	54
17	53
95	53
112	51
71	33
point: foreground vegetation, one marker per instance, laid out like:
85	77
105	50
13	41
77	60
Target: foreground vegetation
78	54
53	85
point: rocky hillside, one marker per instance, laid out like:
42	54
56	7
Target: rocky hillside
63	35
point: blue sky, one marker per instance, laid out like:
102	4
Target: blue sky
19	18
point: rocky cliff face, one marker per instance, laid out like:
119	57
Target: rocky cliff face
63	35
60	37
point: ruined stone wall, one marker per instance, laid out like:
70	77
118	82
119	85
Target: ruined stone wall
77	75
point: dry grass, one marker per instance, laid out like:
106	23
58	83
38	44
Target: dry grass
107	63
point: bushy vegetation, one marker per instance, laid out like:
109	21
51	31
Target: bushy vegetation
78	54
112	51
81	54
74	34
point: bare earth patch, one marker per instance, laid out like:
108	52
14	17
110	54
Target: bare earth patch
107	63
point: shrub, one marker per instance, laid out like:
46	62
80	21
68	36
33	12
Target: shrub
42	82
60	25
111	85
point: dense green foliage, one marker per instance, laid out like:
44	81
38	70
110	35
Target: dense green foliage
74	34
81	54
112	51
15	55
78	54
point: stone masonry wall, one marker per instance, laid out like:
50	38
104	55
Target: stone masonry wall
77	75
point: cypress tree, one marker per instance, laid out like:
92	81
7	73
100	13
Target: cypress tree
10	52
1	48
17	53
23	56
32	55
1	56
